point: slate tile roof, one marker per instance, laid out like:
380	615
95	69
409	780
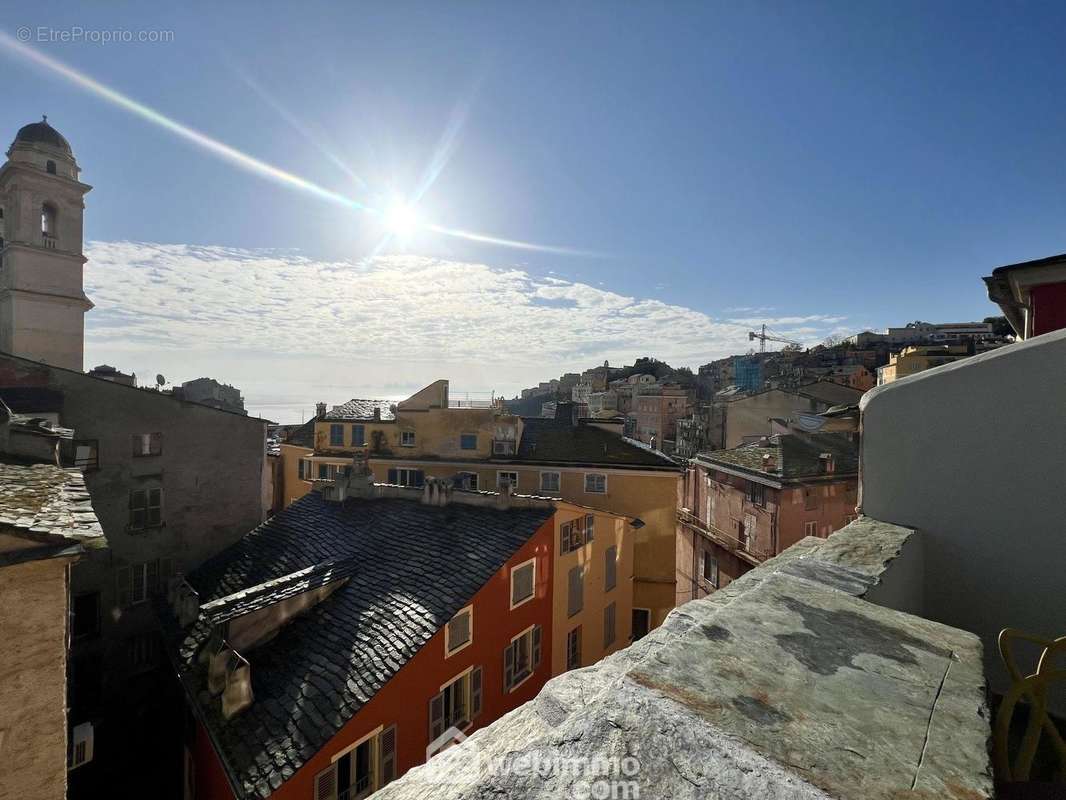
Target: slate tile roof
796	455
830	392
415	566
552	441
48	504
361	409
304	435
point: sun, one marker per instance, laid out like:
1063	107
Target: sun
401	219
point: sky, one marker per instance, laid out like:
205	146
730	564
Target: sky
322	201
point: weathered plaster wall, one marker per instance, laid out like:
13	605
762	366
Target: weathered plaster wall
971	454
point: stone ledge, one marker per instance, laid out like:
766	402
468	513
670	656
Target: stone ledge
786	684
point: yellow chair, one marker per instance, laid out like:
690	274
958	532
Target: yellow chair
1034	688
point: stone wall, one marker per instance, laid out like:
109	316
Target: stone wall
33	686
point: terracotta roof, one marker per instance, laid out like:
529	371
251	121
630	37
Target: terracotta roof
360	410
327	663
796	455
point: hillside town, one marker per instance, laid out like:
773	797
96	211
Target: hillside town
766	575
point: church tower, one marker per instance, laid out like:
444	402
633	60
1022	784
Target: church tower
42	300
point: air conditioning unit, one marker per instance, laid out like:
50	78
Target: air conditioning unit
81	749
503	447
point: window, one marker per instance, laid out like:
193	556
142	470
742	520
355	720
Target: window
573	648
549	482
336	436
503	447
609	632
467	480
757	494
810	528
147	444
86	453
305	470
523	578
595	483
457	704
576	533
358	435
142	651
137	582
85	610
360	770
468	441
709	569
406	477
810	499
146	508
407	438
590	527
610	571
575	592
459	631
50	167
506	477
48	221
323	471
521	658
641	623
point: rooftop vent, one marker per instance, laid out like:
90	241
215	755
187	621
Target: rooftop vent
828	463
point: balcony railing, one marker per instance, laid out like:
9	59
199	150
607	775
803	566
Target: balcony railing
739	546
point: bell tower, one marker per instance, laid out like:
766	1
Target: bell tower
42	300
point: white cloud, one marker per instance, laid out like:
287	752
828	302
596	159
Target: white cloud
289	330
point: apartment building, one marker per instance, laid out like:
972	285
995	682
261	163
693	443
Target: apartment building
47	523
656	414
739	507
1031	295
749	418
173	483
371	651
586	462
918	358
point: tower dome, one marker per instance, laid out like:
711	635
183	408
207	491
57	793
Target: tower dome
42	133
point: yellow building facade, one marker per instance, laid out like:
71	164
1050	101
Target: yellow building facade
918	358
582	463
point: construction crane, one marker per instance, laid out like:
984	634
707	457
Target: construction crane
765	337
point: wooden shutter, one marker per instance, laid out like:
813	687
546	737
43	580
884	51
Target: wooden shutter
508	667
326	783
611	567
608	625
590	524
575	600
564	537
387	751
152	577
436	716
535	658
122	586
475	692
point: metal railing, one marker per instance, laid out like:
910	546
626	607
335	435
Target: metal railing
740	546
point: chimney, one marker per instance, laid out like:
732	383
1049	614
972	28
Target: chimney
377	413
503	497
237	695
320	410
436	492
769	462
827	463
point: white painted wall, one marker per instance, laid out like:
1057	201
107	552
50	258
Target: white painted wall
973	454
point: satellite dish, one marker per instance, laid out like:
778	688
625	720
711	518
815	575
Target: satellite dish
160	380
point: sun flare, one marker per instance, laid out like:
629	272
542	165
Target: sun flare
401	219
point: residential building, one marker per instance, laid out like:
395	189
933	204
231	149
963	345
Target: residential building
601	404
914	359
581	461
739	507
109	373
1032	295
656	414
924	333
47	523
42	300
173	483
209	392
857	376
748	418
411	640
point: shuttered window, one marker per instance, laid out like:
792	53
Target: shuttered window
575	596
610	563
590	527
609	625
456	705
147	444
522	582
459	631
336	436
387	751
137	582
521	657
146	508
573	648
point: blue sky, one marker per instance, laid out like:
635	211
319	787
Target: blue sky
823	166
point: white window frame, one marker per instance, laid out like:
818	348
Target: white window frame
448	650
532	669
532	594
810	528
403	437
703	568
558	481
595	474
464	478
499	476
468	695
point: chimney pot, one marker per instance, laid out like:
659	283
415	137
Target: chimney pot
320	409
